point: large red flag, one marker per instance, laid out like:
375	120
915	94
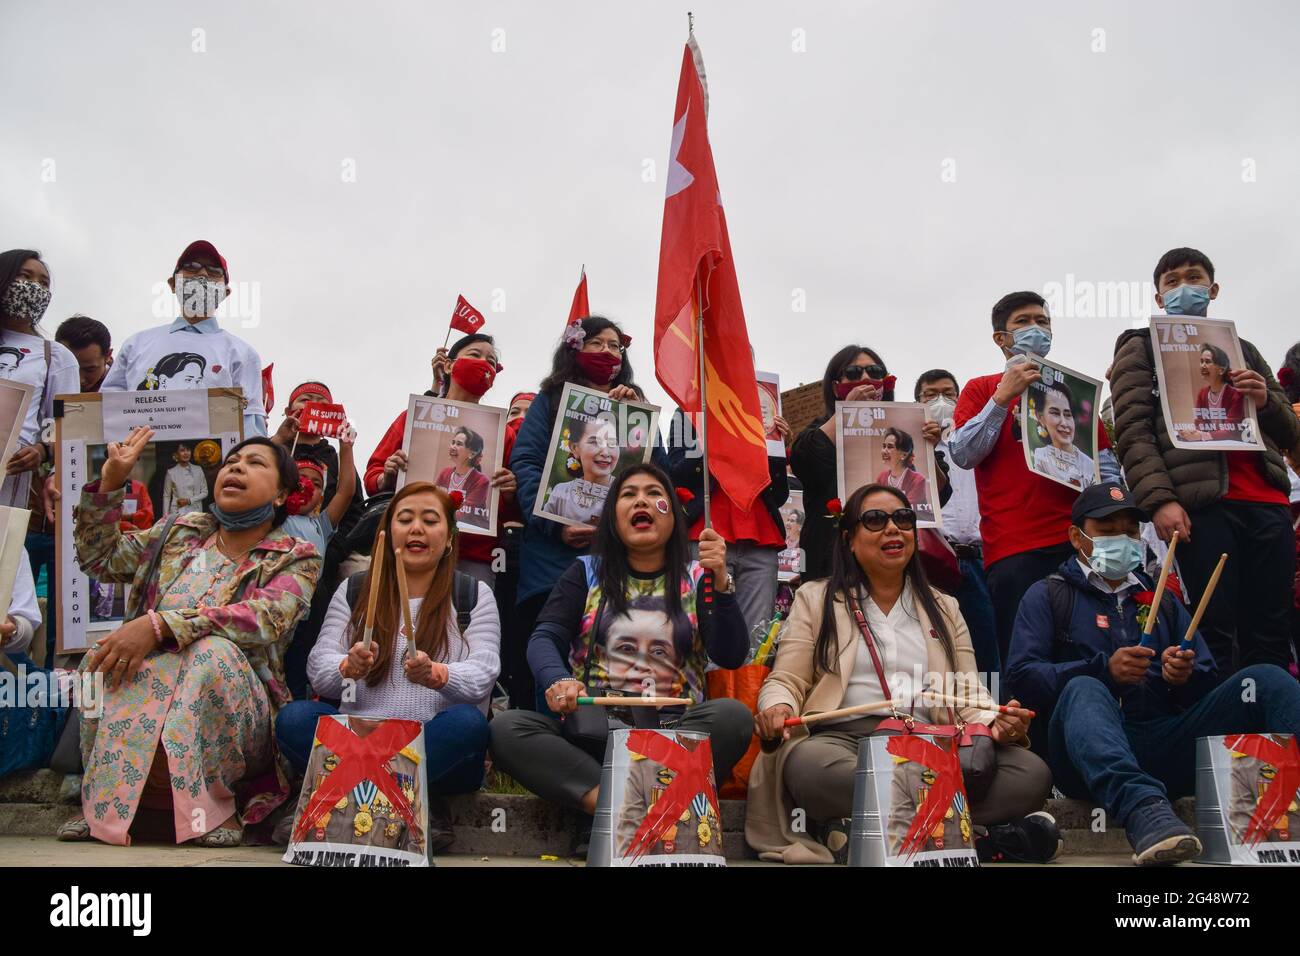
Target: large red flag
695	259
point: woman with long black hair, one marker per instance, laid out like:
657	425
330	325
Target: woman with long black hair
874	631
31	359
626	620
592	353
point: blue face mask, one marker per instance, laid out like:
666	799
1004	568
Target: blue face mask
1115	555
243	520
1034	340
1187	300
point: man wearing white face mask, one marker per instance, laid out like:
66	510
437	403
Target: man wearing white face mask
1024	517
201	282
937	390
1234	502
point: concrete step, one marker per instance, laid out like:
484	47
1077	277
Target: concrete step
34	803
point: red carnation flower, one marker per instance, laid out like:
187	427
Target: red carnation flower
835	507
685	496
1284	376
457	499
301	497
1145	597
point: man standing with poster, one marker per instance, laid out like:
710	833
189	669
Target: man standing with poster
702	351
211	356
1233	502
1024	517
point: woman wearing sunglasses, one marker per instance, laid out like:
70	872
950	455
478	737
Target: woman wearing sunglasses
877	591
854	374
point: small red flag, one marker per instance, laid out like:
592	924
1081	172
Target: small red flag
581	308
322	418
466	318
268	390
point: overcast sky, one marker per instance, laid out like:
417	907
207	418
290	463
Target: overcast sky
893	168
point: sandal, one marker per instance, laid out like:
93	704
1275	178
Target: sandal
76	830
221	838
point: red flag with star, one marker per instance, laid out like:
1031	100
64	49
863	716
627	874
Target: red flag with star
698	275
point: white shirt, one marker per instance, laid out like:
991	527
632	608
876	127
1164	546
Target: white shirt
28	367
473	664
903	656
1104	586
961	515
23	609
229	362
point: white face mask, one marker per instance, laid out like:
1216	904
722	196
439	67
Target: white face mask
199	296
939	409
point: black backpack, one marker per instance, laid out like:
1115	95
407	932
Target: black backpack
1061	594
464	591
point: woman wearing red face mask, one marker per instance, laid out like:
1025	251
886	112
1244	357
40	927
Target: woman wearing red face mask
593	354
854	374
463	375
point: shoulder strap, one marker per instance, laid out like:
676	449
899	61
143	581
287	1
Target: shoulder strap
152	568
1061	596
47	398
354	588
465	599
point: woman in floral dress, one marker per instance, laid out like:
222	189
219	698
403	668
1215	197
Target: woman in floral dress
193	679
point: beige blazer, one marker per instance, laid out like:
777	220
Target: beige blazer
768	816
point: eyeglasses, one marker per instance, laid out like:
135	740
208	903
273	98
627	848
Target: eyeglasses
852	373
602	345
195	268
875	520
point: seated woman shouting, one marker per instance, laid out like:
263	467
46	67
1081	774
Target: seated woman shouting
195	675
627	621
446	685
877	592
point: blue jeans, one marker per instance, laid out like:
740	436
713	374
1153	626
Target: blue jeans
977	609
40	554
1096	753
455	743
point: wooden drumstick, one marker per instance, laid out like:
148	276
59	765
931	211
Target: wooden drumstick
636	701
1189	639
405	597
842	712
376	578
964	702
1154	612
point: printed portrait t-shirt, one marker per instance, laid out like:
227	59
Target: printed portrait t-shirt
640	645
22	359
181	355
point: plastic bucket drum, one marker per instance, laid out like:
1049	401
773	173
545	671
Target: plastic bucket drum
658	802
1242	817
898	780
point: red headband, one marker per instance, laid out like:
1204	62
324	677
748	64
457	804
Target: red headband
310	388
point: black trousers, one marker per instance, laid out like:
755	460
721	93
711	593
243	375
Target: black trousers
1248	619
1011	577
517	622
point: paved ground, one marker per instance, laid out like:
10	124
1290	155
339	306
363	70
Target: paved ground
48	852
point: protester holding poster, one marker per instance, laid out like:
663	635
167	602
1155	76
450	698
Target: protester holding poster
462	375
1220	497
1060	414
875	631
1024	516
854	374
30	358
624	621
446	685
198	663
193	351
315	446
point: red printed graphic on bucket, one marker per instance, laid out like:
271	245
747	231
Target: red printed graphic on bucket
947	781
360	759
692	769
1274	802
